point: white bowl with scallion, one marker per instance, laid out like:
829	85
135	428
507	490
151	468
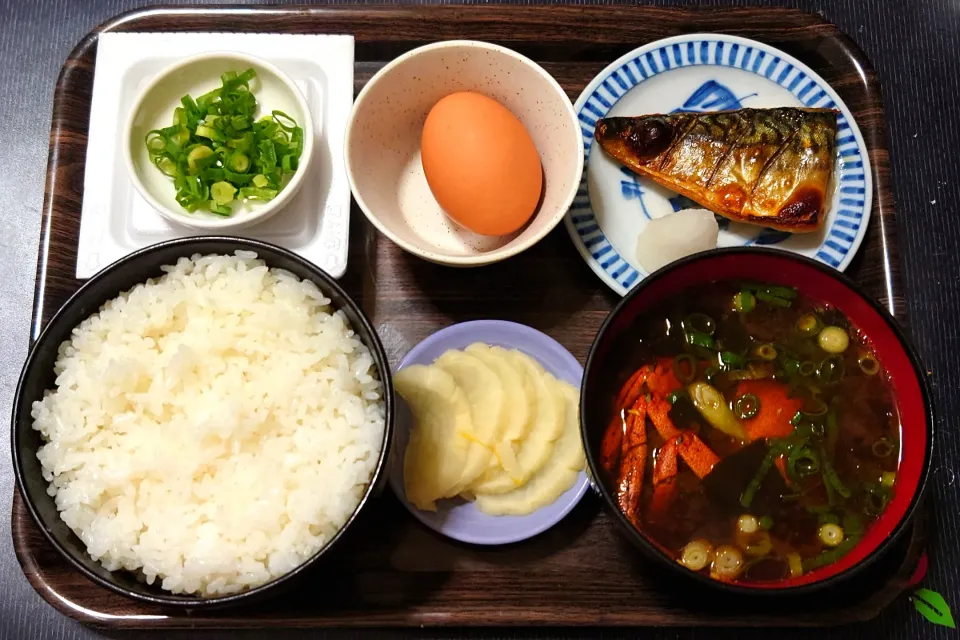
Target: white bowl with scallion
219	141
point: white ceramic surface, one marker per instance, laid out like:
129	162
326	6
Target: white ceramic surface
195	76
383	146
116	220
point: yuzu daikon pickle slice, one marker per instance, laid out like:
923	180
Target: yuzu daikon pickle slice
485	395
438	447
554	478
546	425
516	416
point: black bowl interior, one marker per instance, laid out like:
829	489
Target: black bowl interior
37	376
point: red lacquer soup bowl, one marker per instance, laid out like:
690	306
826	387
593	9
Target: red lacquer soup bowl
821	284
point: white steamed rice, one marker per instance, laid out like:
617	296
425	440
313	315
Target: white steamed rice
212	428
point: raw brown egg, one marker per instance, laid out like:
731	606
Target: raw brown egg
481	163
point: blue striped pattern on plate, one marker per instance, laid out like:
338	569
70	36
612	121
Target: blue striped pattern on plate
850	220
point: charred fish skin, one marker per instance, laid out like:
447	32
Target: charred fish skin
772	167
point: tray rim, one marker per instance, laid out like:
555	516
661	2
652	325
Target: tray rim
877	145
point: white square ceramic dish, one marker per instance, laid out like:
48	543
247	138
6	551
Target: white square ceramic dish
116	221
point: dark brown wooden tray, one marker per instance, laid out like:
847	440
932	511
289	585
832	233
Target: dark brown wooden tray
393	571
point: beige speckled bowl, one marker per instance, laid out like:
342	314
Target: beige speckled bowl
383	146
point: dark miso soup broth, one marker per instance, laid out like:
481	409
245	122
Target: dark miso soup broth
781	438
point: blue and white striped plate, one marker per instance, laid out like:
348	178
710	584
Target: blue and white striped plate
705	72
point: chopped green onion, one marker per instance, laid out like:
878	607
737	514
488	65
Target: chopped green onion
882	448
833	431
869	364
876	499
766	523
832	555
831	370
802	461
747	406
831	478
807	368
699	323
766	352
787	293
215	146
220	209
808	325
731	359
288	163
747	523
831	534
239	162
685	367
700	339
254	193
714	408
795	563
696	555
777	301
887	478
833	340
797	418
167	166
744	302
222	192
198	157
791	366
815	407
746	499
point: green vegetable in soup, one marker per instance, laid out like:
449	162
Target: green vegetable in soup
744	302
215	148
714	408
808	325
833	340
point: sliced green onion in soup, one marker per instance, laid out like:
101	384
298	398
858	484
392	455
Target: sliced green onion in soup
808	325
696	555
888	478
699	323
766	352
714	408
727	563
795	563
869	364
747	406
882	448
786	293
830	534
776	301
833	339
831	370
731	359
744	301
700	339
685	367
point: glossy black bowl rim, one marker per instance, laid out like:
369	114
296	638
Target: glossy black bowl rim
655	554
193	245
